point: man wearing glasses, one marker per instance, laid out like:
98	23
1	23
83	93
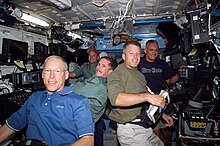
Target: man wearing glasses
56	115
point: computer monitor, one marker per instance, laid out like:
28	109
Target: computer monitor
58	49
40	52
13	50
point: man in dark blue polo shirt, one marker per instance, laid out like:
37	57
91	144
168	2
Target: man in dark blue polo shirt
157	72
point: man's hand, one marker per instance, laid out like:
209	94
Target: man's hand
168	119
72	74
156	99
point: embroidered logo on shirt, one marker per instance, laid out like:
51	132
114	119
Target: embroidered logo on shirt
60	106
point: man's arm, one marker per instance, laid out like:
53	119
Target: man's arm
168	119
84	141
172	80
72	74
5	132
129	99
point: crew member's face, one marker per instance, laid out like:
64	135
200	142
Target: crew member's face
103	68
132	56
151	51
93	57
54	75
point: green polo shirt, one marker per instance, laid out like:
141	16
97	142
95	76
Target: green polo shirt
95	89
86	70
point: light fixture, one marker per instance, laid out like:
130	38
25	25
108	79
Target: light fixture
73	35
62	4
34	20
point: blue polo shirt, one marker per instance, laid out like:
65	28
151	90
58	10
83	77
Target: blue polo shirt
59	119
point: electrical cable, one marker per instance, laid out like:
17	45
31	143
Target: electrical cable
217	47
210	111
122	15
6	86
98	4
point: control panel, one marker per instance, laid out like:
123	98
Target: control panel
19	98
11	102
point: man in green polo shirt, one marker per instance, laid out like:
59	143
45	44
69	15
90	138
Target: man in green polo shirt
87	69
95	88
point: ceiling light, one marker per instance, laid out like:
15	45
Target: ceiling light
34	20
74	35
62	4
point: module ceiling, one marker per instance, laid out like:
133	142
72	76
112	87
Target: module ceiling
102	11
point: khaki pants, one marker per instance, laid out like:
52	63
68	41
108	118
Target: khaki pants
159	125
135	135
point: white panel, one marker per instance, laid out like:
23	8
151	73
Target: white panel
14	34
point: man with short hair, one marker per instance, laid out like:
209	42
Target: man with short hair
95	88
56	115
128	94
157	72
87	69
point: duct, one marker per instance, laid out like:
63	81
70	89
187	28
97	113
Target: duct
89	25
152	21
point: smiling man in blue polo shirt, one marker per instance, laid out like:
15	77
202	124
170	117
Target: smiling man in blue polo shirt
57	115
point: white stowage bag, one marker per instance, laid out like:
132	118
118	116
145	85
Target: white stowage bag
154	112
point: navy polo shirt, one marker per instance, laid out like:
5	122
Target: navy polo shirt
155	73
59	119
